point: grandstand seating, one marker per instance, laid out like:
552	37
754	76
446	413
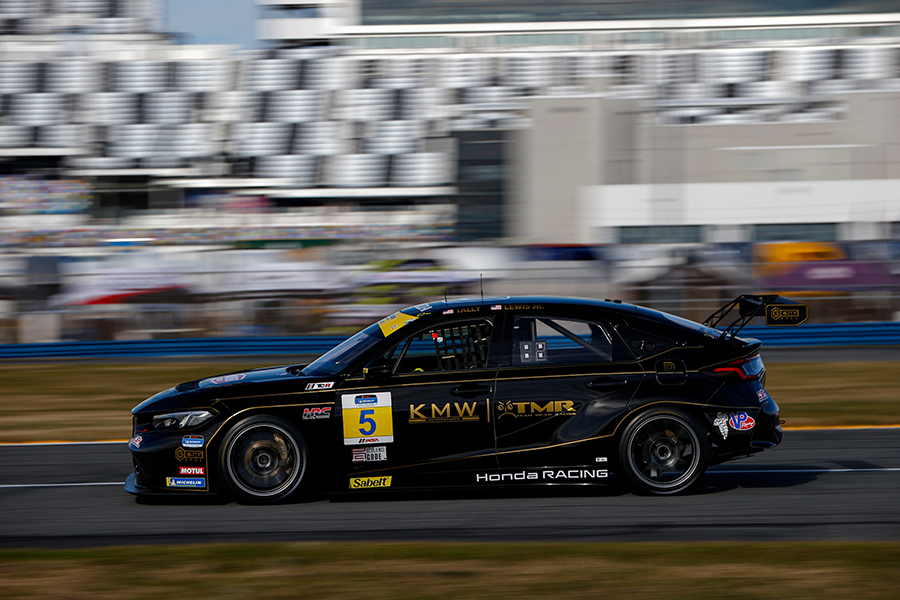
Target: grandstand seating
326	116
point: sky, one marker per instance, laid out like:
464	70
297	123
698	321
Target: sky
212	21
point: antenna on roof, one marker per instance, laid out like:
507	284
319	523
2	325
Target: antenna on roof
481	281
445	294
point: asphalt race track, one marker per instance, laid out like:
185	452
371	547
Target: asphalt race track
818	485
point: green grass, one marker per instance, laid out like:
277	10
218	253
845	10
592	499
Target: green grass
88	401
460	571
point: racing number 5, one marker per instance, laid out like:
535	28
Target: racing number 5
367	423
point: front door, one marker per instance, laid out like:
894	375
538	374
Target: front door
421	414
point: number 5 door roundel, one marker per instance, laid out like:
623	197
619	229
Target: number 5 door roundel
367	418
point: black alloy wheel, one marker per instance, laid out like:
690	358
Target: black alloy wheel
663	451
264	460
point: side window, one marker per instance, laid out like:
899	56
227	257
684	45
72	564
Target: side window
450	347
643	344
542	340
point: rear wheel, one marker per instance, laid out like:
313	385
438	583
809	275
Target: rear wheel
264	460
663	451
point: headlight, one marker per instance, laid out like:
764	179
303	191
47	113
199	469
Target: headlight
180	420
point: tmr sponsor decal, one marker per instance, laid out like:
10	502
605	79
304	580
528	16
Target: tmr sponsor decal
192	441
187	455
321	385
369	483
367	419
316	413
227	378
186	482
543	475
449	412
536	409
191	470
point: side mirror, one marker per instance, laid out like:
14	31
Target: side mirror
377	373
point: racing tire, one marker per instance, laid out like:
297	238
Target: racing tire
663	451
264	460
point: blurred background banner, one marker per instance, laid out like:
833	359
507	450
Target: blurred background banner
364	155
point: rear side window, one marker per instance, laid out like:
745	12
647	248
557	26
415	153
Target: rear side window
555	341
643	343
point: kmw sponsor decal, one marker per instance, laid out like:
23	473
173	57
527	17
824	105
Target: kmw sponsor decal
317	413
543	475
181	454
368	483
191	470
536	409
449	412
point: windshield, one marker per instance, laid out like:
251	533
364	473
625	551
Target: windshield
333	361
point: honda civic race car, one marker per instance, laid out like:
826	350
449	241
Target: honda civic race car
475	393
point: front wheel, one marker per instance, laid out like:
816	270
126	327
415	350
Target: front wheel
264	460
663	451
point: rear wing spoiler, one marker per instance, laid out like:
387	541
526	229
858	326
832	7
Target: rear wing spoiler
779	312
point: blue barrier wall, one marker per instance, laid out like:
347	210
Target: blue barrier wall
804	336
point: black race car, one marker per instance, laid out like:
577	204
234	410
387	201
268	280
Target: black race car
479	393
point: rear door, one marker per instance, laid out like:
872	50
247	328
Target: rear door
561	387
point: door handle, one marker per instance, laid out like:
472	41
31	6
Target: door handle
471	391
606	384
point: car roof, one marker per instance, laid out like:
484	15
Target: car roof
520	302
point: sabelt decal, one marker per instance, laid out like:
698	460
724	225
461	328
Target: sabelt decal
192	441
762	394
191	470
227	378
545	475
316	413
741	421
368	418
449	412
181	454
551	408
186	482
136	441
321	385
369	483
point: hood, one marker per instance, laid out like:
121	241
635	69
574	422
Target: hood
202	393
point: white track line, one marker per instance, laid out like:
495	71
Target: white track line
803	471
50	485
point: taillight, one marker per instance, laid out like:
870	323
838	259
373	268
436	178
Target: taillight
748	369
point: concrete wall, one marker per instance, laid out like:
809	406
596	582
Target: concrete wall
594	163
